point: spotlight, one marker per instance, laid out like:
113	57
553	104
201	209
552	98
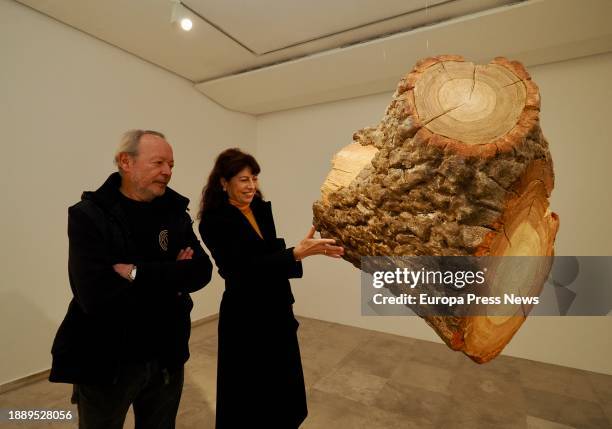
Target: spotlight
179	16
186	24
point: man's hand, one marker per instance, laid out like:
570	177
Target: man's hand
124	270
184	254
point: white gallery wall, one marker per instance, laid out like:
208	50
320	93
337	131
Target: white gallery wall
65	100
295	147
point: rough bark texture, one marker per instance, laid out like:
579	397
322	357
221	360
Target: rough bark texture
458	165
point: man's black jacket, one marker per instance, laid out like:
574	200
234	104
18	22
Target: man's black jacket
90	345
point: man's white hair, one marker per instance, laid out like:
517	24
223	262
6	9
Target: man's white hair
130	142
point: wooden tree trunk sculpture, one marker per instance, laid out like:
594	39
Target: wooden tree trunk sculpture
457	166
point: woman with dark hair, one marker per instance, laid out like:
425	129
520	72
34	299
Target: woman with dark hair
259	373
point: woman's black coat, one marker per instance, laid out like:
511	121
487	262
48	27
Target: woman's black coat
259	375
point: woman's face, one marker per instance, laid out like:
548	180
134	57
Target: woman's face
241	188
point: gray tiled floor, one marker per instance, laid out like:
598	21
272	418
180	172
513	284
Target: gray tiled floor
365	379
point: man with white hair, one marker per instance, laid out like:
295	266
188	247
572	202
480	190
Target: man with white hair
133	261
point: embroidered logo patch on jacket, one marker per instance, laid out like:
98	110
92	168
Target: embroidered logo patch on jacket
163	240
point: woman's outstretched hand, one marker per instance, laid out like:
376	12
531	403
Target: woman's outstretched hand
316	246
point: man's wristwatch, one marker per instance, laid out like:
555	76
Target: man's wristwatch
132	274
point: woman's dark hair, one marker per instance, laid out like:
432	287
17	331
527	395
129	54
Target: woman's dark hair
229	163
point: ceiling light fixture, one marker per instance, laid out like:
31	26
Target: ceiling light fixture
180	16
186	24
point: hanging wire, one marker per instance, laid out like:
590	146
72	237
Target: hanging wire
427	20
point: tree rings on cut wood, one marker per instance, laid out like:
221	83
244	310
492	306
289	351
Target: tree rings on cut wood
470	103
346	165
457	166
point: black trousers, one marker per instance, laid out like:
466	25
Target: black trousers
153	392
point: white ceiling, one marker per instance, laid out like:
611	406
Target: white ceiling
248	54
233	36
265	26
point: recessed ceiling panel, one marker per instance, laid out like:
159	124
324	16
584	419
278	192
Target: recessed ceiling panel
235	36
266	26
533	32
240	41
